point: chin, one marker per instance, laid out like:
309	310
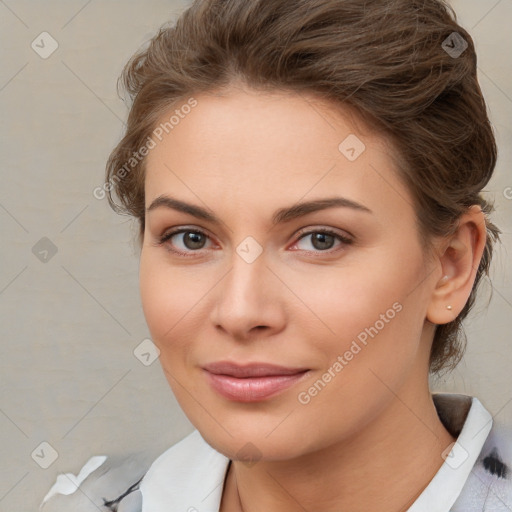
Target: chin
253	440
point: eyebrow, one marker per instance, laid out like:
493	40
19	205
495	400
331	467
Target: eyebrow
280	216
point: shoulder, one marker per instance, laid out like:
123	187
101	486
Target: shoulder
489	485
189	473
110	484
188	462
105	484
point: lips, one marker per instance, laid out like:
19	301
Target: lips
251	382
250	369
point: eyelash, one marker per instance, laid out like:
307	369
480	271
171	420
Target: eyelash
167	236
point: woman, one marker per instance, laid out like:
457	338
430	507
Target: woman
307	179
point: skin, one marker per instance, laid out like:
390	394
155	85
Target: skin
371	438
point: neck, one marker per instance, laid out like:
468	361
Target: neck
385	466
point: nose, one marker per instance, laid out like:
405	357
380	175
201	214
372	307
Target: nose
249	301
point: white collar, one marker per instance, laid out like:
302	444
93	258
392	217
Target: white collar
189	476
444	489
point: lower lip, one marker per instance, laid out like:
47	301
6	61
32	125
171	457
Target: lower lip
253	389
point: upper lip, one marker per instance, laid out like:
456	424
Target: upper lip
250	369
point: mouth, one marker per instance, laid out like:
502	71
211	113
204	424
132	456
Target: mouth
251	382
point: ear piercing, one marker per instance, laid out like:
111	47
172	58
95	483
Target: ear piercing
449	307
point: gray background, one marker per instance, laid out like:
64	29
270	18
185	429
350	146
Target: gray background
70	325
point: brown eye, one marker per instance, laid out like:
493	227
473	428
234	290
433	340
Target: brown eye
323	240
188	241
193	240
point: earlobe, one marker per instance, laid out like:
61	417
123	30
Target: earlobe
459	260
441	309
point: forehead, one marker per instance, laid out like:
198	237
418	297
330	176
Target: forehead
242	119
248	146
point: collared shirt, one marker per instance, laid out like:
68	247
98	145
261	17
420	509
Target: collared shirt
190	475
474	477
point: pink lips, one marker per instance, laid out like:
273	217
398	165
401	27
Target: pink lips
252	382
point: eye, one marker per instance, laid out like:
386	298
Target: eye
322	240
192	240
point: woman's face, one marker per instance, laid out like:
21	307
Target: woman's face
258	282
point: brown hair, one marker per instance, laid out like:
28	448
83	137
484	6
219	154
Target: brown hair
398	63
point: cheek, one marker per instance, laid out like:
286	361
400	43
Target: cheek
172	300
153	301
163	297
167	302
373	314
342	303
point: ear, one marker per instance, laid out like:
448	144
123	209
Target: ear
459	257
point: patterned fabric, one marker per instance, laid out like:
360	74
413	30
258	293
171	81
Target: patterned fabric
112	487
488	487
129	501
